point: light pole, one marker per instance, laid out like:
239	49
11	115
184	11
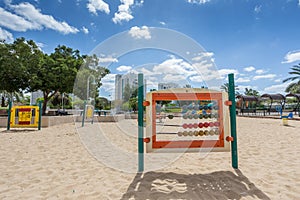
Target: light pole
88	85
110	99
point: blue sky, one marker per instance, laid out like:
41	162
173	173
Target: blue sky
257	40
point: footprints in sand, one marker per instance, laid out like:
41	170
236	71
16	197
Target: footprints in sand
168	185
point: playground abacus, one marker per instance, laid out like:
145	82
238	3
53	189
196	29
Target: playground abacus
198	122
200	112
207	121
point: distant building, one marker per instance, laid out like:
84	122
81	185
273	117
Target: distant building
122	80
34	96
165	86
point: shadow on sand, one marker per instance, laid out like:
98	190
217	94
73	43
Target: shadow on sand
216	185
18	130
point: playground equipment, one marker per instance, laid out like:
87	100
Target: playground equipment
24	116
88	113
205	121
247	104
274	98
295	107
202	114
285	118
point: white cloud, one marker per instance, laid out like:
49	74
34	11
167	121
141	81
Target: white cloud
203	66
40	45
278	80
174	66
85	30
259	71
257	8
174	78
198	1
137	3
204	55
5	35
242	80
266	76
16	23
124	12
27	17
95	5
249	69
224	72
292	56
107	59
139	33
108	83
163	23
207	76
280	88
124	68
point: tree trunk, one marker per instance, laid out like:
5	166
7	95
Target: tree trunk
45	103
46	99
2	101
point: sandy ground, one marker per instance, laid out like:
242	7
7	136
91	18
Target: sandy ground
71	162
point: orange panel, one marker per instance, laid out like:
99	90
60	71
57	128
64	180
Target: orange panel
188	143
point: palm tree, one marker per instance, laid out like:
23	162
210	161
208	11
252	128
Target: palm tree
293	88
225	87
296	76
14	96
251	92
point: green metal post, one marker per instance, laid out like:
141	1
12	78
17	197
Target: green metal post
40	115
83	114
93	116
140	123
232	109
9	114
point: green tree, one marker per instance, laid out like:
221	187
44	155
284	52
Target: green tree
294	87
88	79
101	103
58	99
295	72
133	103
56	73
225	87
127	92
17	63
251	92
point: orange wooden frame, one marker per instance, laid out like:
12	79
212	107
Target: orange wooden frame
215	96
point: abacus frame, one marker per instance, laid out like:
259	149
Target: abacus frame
187	94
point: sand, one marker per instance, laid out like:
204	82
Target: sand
57	163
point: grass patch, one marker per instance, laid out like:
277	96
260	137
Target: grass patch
173	110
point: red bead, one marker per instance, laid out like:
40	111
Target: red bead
217	123
200	125
206	124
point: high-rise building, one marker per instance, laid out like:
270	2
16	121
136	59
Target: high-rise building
121	81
